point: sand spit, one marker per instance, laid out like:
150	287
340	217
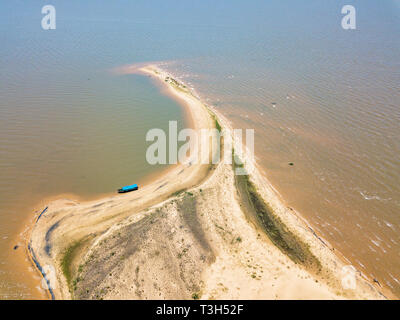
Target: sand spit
196	232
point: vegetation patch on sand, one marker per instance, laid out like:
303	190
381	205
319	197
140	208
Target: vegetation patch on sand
217	125
278	233
67	260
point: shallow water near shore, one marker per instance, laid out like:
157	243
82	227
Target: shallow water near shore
92	144
322	98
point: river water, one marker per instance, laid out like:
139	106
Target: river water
324	98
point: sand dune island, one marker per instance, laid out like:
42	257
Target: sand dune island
195	232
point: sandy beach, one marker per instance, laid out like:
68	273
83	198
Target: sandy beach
195	232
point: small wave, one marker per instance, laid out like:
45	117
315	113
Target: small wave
375	243
373	197
389	224
395	279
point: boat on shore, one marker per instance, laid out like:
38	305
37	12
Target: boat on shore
130	188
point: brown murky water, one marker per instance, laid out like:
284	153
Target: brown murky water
89	144
318	96
343	139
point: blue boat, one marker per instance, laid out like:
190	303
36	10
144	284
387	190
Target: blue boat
130	188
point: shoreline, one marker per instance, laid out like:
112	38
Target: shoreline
47	233
24	235
271	193
196	174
